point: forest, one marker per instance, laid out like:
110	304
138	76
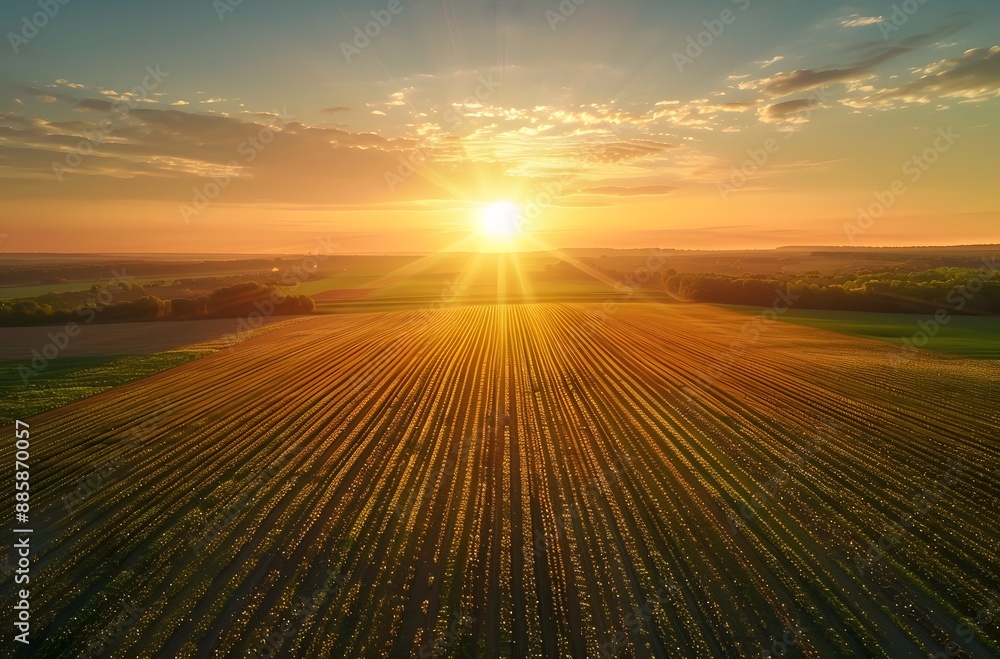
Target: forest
105	304
963	291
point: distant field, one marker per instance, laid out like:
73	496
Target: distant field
524	480
103	339
34	290
103	357
559	293
70	379
972	337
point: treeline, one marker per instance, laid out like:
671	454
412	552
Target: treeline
56	273
237	301
957	290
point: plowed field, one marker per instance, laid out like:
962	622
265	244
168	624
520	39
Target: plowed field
524	480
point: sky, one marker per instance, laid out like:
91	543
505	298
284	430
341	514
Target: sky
228	126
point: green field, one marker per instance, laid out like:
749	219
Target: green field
973	337
36	290
70	379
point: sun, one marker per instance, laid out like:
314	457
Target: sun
500	222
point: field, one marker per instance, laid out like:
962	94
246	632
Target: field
525	480
102	357
972	337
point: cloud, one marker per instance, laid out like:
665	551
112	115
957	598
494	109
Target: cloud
166	154
857	20
630	192
95	104
975	76
764	65
335	110
801	80
734	106
627	150
72	85
700	114
46	96
180	103
793	112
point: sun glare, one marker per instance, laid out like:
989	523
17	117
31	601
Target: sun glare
500	222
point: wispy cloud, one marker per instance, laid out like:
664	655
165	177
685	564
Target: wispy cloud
975	76
619	191
793	112
802	80
857	20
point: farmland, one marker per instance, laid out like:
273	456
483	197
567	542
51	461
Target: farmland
974	337
102	357
549	480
